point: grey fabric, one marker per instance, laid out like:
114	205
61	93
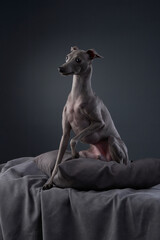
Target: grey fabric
28	213
87	174
20	213
46	161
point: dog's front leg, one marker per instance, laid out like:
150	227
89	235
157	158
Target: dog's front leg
94	126
62	148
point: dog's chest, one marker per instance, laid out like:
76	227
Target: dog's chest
76	116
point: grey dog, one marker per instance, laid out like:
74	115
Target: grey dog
87	116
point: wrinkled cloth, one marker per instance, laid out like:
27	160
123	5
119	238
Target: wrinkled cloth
29	213
94	174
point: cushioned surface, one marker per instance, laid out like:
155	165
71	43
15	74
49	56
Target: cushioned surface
46	161
85	173
29	213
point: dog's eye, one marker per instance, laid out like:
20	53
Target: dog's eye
78	60
66	58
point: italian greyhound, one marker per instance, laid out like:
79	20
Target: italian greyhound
87	116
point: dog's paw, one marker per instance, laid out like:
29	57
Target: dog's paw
75	155
101	157
48	185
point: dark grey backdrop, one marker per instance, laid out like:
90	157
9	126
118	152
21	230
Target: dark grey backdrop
36	36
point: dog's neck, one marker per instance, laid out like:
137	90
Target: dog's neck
81	85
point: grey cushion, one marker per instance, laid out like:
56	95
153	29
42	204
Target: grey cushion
85	173
46	161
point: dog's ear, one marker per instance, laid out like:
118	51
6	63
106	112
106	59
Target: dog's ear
74	48
93	54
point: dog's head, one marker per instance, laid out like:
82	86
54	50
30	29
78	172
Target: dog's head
78	61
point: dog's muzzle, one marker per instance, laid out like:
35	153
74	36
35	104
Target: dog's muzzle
61	69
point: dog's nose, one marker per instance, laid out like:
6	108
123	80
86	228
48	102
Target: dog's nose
61	69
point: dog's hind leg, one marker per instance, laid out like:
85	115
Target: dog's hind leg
118	150
99	151
92	152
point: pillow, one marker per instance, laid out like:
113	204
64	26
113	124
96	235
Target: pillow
86	174
94	174
46	161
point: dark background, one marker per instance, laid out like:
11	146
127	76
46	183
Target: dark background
35	37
